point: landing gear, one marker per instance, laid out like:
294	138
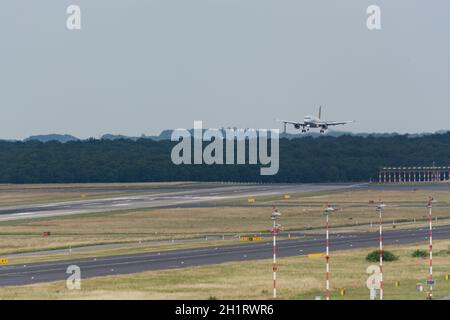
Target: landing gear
322	131
303	130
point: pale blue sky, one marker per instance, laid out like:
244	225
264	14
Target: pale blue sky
140	66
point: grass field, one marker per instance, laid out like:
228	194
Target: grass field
11	194
131	248
298	278
389	196
300	212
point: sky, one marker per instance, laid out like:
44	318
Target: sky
141	66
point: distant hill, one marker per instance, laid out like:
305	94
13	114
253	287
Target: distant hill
52	137
166	135
113	137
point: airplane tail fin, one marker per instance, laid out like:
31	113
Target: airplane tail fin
320	112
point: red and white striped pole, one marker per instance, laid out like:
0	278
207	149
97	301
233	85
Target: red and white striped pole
430	235
380	208
327	213
327	257
274	266
275	216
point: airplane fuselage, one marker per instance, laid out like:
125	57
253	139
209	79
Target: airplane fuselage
313	122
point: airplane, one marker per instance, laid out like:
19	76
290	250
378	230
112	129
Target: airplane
313	122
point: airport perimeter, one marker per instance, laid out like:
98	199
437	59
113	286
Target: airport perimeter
190	240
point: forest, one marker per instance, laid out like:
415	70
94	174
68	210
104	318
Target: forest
325	159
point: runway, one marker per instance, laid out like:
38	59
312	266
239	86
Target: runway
132	263
176	196
188	196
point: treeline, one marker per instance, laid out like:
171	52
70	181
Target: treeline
324	159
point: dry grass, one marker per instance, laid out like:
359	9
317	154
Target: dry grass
388	196
132	248
68	186
11	194
26	235
299	278
152	224
37	197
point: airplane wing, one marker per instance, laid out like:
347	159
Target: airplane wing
336	123
295	123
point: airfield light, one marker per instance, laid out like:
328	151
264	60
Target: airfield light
430	281
275	228
380	209
328	210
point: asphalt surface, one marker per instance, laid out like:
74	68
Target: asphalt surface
132	263
171	197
